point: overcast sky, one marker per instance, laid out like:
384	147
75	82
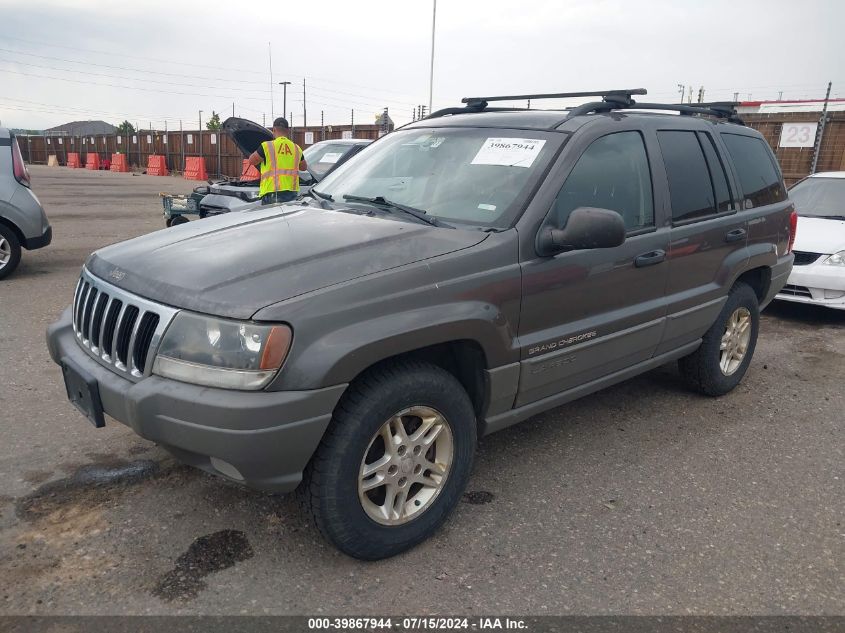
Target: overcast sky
158	61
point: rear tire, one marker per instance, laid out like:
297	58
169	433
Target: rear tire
177	219
10	251
349	484
721	361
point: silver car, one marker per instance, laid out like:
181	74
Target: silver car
23	223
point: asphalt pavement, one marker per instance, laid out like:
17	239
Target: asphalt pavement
641	499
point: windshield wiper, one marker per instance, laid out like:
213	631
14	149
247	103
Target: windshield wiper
381	201
324	196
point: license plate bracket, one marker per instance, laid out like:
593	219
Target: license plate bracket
83	392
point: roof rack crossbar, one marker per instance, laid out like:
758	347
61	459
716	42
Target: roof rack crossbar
625	92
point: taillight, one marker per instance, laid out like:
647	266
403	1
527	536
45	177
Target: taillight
21	172
793	229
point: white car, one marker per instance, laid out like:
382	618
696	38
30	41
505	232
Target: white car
818	275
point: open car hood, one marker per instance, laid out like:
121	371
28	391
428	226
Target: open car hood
247	135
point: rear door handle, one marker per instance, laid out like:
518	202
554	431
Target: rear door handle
650	259
735	236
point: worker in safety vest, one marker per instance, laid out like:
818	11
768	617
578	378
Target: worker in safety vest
280	161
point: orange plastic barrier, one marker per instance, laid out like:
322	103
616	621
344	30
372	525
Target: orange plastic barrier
195	168
118	163
249	172
73	160
157	166
92	161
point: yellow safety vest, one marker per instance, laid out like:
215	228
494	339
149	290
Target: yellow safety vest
280	169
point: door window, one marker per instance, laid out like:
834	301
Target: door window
690	185
717	173
758	175
612	173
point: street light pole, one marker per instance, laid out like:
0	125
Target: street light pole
431	73
284	85
199	135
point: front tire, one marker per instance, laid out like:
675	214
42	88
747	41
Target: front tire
721	361
394	461
10	251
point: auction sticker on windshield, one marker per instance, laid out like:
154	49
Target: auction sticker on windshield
511	152
330	157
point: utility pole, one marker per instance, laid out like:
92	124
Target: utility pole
304	111
780	95
682	90
820	130
284	85
736	97
199	137
353	122
270	53
322	127
431	72
701	94
233	108
689	95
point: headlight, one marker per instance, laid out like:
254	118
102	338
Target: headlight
221	353
837	259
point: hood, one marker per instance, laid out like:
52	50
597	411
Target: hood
819	235
246	134
233	265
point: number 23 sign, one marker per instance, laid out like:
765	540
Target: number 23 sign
798	135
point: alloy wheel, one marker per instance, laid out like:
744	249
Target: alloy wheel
5	252
735	340
405	465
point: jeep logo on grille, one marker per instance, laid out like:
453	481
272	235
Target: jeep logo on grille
117	274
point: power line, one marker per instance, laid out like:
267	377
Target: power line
129	68
154	81
171	62
94	83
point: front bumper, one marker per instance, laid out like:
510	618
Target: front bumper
817	284
41	241
262	439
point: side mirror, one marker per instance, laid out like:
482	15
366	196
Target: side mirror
587	227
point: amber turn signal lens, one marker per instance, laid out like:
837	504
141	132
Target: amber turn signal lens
276	348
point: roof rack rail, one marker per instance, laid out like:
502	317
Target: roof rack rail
719	109
621	99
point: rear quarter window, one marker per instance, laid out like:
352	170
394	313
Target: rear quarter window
758	174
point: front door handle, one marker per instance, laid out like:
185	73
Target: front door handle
735	236
650	259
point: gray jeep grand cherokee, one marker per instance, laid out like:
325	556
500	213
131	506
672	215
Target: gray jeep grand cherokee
456	277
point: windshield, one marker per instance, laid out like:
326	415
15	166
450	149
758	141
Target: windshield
819	197
323	156
473	176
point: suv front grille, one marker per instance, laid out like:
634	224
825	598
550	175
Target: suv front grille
803	258
117	328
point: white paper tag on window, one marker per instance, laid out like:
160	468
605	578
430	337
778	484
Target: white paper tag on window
511	152
330	157
487	207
